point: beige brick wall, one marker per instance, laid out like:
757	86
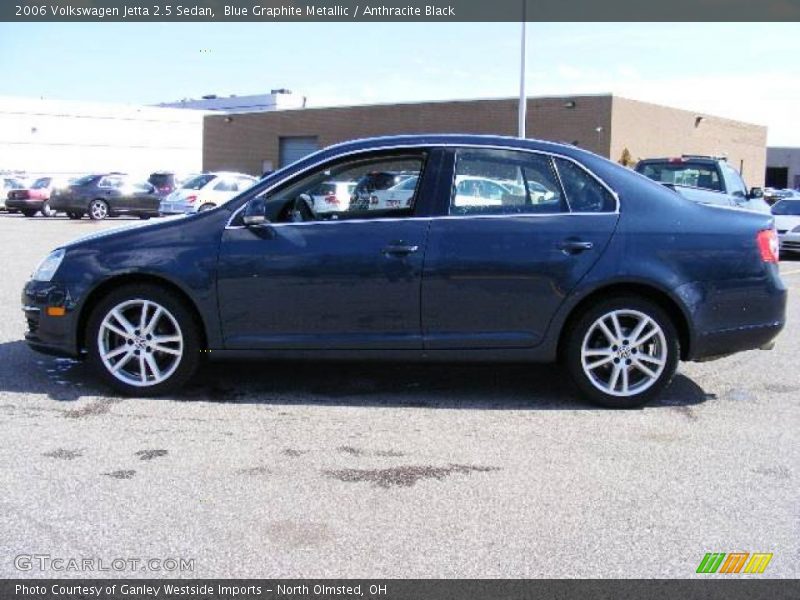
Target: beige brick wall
650	130
599	123
243	141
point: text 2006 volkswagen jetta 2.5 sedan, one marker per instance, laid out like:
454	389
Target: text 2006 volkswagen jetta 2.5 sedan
462	248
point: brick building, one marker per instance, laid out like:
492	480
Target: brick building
615	127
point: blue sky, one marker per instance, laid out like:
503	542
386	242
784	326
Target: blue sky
745	71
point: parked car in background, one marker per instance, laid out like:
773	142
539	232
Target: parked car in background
772	195
787	222
165	182
205	191
36	198
704	179
371	186
331	196
615	275
102	195
8	184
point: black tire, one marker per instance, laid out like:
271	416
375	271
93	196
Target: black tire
188	326
29	213
98	209
625	357
144	217
206	206
75	216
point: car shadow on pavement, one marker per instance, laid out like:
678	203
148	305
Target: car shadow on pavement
371	384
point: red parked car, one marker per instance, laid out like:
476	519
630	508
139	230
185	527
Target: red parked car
34	199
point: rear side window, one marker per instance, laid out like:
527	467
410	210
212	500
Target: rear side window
225	185
500	182
111	181
584	193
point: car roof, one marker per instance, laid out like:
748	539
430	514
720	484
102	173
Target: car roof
451	139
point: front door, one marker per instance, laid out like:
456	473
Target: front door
344	279
522	229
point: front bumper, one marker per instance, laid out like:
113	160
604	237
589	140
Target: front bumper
48	333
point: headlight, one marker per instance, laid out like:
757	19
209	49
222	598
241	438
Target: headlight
48	267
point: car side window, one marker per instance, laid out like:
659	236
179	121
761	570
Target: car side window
366	188
225	185
584	193
111	181
499	182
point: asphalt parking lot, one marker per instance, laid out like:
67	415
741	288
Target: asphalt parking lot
348	470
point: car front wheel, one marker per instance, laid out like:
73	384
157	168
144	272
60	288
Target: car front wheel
98	210
143	340
622	352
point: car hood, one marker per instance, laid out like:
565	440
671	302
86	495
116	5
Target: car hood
123	230
787	222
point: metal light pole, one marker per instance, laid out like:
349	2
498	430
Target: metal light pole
523	101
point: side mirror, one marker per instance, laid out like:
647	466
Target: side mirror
756	192
255	214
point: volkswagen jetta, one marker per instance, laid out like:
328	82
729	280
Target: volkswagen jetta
607	271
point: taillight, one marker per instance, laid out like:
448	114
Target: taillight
767	240
331	199
191	199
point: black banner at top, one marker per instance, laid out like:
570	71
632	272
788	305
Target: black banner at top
397	10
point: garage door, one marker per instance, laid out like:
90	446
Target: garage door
295	148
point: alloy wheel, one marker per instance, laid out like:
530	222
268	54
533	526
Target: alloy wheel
140	342
98	209
624	352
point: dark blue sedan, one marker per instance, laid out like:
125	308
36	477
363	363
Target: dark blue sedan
477	249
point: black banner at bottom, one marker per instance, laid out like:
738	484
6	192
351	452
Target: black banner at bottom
396	589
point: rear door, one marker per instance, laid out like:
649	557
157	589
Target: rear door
497	269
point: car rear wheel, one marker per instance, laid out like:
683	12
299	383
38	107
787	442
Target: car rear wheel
206	206
143	340
98	210
622	352
46	210
29	213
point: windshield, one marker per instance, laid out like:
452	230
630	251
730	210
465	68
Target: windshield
195	183
787	207
691	174
41	183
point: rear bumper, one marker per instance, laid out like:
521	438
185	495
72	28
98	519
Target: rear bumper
737	316
24	204
718	344
176	208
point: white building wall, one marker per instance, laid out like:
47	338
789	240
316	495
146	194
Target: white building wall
53	136
242	104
